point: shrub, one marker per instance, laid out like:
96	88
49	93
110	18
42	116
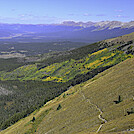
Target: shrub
59	107
33	119
119	100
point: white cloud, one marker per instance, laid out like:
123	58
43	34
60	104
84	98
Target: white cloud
87	14
100	15
121	16
118	10
22	15
71	14
31	19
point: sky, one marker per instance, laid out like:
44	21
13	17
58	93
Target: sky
57	11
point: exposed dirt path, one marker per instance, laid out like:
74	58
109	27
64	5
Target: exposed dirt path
50	131
99	116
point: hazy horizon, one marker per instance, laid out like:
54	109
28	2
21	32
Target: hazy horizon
64	21
53	12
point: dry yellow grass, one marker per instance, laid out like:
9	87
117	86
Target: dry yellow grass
124	38
78	116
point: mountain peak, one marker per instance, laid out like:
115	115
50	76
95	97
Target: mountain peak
101	25
73	23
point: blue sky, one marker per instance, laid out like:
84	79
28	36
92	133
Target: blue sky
57	11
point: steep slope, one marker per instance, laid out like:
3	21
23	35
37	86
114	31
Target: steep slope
124	43
34	83
88	107
64	66
67	70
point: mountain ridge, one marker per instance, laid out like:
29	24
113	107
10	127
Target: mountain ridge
82	24
66	31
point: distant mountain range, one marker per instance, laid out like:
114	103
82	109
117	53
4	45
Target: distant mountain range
66	31
102	24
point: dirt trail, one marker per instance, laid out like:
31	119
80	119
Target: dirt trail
99	116
50	131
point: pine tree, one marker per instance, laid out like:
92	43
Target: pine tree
59	107
119	98
33	119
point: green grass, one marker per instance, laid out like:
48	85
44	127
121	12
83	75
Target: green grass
34	124
67	70
79	116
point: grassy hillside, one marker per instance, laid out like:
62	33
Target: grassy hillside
81	106
66	70
124	43
121	43
122	39
33	81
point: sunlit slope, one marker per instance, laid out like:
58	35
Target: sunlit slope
62	67
35	80
67	70
81	106
124	43
122	39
